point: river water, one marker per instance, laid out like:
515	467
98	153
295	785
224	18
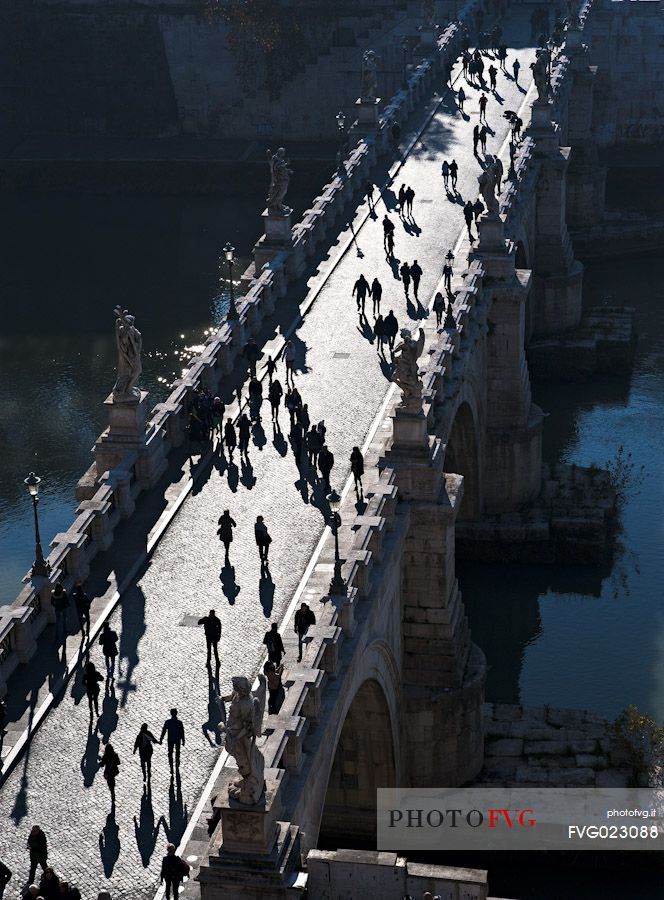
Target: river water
563	636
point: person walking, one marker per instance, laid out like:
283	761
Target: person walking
82	604
302	416
243	435
447	277
49	885
483	133
110	762
360	290
410	197
476	138
274	644
173	870
252	354
60	603
416	275
304	618
445	169
292	403
401	199
388	232
478	209
438	308
314	445
325	464
376	291
297	441
391	329
468	216
275	393
516	66
289	358
212	629
357	468
271	367
379	332
38	850
517	125
498	169
465	59
230	438
395	132
143	743
225	531
483	105
218	412
255	399
404	271
263	541
109	645
461	99
369	190
454	172
173	729
493	72
91	681
275	688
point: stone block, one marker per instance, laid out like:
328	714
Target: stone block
504	747
612	778
508	712
546	748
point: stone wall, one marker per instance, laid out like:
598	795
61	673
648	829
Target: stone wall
626	38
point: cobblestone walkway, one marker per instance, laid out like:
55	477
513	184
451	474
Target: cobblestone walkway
162	652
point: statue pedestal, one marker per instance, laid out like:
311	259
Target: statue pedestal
428	36
541	116
409	429
128	432
492	233
496	255
367	113
252	854
278	238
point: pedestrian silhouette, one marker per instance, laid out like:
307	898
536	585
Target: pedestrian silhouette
476	138
174	729
304	618
212	628
402	199
230	438
445	169
391	329
82	603
243	435
110	762
109	644
274	644
225	531
454	172
275	689
275	394
404	271
468	216
143	743
263	541
357	468
325	464
173	870
438	308
360	291
38	849
410	196
92	679
376	291
289	358
416	274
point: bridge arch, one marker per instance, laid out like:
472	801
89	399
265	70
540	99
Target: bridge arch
462	456
364	756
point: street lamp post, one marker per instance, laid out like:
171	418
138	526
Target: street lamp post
341	130
229	250
337	585
40	565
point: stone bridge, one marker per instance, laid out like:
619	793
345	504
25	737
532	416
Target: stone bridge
390	689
